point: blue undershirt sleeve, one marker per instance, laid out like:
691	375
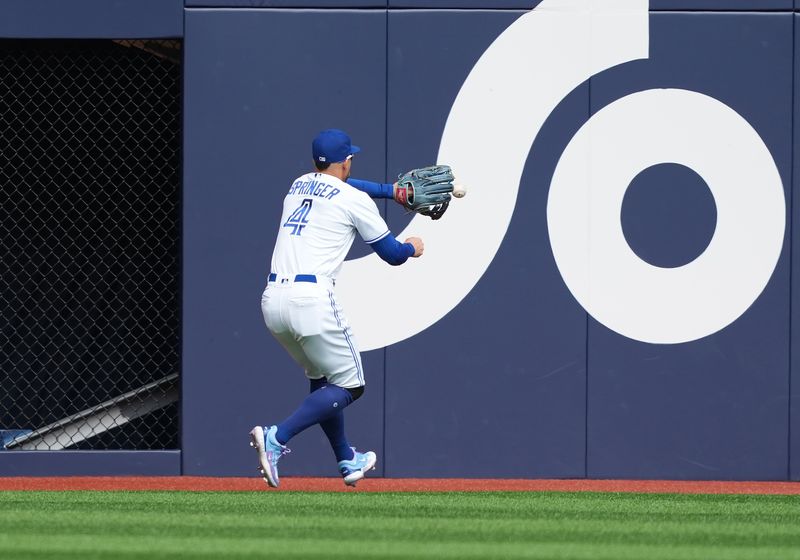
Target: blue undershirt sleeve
374	190
392	251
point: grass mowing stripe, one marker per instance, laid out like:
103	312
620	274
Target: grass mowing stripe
353	547
362	525
445	530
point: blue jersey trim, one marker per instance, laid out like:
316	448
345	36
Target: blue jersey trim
381	236
359	373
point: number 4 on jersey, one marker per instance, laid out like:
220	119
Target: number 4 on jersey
299	218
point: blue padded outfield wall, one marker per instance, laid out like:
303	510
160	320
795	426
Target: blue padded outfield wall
614	297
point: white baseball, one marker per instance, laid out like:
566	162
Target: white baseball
459	191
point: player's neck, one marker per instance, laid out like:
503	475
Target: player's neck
337	172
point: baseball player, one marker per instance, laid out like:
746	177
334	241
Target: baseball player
321	215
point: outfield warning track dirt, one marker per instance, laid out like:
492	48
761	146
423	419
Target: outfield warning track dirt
300	484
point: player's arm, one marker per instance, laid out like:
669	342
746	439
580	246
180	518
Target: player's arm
426	190
373	230
374	190
395	253
386	190
401	196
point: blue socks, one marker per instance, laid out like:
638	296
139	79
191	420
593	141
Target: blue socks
324	406
334	429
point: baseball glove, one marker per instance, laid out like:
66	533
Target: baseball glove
426	190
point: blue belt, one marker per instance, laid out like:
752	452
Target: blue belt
298	278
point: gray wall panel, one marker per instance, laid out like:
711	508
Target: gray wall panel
794	413
506	368
714	408
85	19
466	4
90	463
252	106
287	3
722	5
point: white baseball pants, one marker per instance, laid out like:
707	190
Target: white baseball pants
307	320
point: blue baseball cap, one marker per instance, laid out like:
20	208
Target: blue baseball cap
332	146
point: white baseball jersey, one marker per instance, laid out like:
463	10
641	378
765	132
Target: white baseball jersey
321	216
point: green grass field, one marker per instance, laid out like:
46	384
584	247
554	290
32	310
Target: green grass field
124	525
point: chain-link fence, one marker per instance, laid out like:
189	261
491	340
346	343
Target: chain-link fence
89	244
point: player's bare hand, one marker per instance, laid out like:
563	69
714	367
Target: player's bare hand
419	246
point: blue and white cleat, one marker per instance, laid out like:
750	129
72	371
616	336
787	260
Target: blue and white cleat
269	452
355	469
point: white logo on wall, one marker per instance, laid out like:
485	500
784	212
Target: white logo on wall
547	48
